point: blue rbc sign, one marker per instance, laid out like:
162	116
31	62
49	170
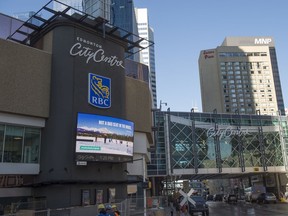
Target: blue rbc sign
99	91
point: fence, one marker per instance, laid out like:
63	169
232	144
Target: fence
128	207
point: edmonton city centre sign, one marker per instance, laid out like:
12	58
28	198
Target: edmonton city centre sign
82	48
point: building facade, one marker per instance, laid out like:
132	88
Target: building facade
71	122
62	5
98	8
241	76
123	16
148	55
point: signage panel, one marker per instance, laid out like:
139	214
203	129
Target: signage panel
99	91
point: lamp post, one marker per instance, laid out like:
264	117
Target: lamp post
164	103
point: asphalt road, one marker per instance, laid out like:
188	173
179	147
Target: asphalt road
243	208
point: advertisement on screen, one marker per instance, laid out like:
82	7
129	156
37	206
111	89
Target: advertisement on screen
104	135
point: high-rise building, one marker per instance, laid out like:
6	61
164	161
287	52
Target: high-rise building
98	8
77	4
241	76
123	16
147	55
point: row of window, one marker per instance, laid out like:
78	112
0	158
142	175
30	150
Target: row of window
244	72
241	54
19	144
254	82
242	63
248	96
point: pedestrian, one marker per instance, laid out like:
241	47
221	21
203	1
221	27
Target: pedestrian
116	212
109	210
101	210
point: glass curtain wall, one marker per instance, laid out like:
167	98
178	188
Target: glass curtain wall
226	141
19	144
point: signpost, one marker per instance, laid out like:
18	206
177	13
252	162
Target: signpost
187	197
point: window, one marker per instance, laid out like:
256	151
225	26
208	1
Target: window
13	144
31	145
1	141
19	144
238	81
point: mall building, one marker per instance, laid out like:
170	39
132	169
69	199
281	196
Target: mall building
75	116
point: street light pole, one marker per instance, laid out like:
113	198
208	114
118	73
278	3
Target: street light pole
164	103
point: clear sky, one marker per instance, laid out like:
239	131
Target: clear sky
183	28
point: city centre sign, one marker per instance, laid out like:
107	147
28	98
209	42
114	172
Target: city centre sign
97	54
226	132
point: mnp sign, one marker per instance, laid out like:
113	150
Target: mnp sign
262	40
99	91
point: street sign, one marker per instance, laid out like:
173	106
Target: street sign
187	197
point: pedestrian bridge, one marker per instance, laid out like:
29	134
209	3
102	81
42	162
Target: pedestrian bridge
209	145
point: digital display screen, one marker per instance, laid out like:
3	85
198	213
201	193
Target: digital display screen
103	135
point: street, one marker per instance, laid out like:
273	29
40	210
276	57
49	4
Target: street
244	208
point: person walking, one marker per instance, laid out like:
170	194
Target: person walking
101	210
116	212
109	210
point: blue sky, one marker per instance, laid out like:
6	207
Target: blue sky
183	28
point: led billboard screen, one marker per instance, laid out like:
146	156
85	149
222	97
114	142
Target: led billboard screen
103	138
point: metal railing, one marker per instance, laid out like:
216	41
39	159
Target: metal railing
128	207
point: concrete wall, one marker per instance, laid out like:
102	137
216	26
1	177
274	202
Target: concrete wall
25	80
138	105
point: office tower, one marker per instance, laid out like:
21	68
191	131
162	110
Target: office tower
241	76
77	4
123	16
98	8
147	55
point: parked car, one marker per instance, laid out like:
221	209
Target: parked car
209	197
200	206
266	198
241	197
218	197
231	198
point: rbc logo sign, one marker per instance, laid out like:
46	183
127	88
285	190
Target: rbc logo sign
99	91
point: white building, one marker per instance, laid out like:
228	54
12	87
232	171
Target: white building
147	55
